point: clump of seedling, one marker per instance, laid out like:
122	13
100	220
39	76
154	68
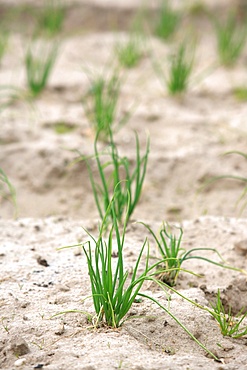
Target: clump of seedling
168	20
113	289
130	52
112	295
101	101
7	190
231	39
39	62
180	68
51	18
174	256
119	177
230	325
169	247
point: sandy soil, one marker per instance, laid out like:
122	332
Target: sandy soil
188	135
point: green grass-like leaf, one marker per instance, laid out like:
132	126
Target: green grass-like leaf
51	18
101	102
112	296
119	177
39	61
168	21
180	70
231	39
170	251
129	53
176	80
113	290
229	325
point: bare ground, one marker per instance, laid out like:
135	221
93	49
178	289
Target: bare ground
188	136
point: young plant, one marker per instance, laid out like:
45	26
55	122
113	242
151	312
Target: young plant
173	255
117	177
129	53
180	68
113	290
168	21
112	298
101	102
231	39
39	61
229	325
51	18
170	251
7	190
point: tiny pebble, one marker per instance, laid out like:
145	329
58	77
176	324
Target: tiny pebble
42	261
63	288
59	330
78	252
20	362
241	247
24	304
39	366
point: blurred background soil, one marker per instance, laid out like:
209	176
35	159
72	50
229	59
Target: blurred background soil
189	134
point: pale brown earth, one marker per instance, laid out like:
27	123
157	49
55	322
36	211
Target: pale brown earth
188	135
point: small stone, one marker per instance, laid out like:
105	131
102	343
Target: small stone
203	287
241	247
63	288
228	347
20	362
24	304
60	329
42	261
77	252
